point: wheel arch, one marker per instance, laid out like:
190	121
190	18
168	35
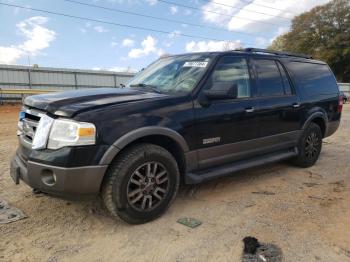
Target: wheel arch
320	119
161	136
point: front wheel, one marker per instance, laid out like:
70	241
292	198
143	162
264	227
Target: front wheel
141	184
309	146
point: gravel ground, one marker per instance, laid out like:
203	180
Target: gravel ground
303	211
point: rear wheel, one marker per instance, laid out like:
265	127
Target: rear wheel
310	146
141	183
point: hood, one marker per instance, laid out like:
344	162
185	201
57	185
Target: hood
70	103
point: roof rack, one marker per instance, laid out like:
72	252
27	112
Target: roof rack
266	51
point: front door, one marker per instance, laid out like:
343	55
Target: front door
224	127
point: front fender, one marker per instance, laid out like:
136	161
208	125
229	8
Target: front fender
128	138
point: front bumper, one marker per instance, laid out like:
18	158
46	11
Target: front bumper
62	181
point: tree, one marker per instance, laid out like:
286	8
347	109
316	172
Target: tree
324	33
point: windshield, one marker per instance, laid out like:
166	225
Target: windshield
172	74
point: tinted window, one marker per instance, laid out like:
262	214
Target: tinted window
313	78
270	81
232	70
286	83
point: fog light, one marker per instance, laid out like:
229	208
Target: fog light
48	177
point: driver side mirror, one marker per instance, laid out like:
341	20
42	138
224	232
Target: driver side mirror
223	90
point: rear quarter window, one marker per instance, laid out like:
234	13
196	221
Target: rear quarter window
313	79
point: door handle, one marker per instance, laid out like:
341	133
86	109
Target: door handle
249	110
296	105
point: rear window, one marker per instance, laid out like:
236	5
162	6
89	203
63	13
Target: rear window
314	79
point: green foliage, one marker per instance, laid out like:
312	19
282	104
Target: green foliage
324	33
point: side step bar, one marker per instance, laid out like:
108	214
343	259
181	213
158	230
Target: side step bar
195	178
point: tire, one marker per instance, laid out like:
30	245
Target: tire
309	147
138	174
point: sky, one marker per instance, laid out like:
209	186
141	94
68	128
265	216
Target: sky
116	42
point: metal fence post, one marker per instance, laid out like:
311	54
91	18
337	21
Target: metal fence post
115	81
75	80
29	79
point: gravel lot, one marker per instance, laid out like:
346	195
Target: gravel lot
306	214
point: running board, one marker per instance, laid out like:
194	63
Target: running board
195	178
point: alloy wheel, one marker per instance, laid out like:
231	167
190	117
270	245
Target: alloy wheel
148	186
312	145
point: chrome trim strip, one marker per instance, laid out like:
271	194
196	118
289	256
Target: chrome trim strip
31	122
34	112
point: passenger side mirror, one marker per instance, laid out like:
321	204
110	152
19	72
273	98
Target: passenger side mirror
223	90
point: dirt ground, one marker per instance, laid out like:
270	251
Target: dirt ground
305	212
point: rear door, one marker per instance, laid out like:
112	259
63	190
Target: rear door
278	111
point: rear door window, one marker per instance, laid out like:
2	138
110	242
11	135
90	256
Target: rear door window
270	80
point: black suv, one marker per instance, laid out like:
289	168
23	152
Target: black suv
190	118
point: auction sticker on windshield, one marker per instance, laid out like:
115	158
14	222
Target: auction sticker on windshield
196	64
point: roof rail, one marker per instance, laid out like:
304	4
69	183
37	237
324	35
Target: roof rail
266	51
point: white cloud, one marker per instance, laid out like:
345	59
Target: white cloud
151	2
148	46
100	29
218	11
281	30
173	9
204	46
127	42
37	37
243	15
117	69
9	55
123	69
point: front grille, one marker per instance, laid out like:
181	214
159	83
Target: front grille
28	124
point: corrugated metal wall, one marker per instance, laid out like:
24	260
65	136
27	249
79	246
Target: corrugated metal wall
23	77
345	87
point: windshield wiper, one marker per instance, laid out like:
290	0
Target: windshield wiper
146	86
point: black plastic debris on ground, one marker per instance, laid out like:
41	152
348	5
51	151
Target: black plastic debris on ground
9	214
260	252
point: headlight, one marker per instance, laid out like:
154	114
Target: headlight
71	133
42	132
57	133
